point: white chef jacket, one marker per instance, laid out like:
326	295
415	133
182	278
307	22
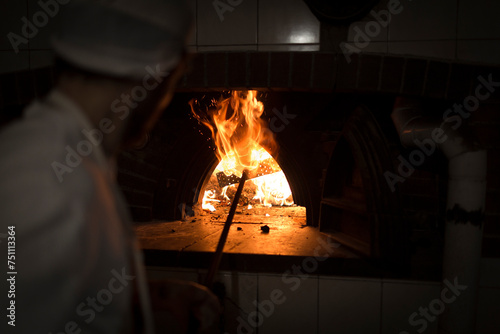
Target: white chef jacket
76	258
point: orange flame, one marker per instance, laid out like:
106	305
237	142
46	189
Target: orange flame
207	198
240	135
238	131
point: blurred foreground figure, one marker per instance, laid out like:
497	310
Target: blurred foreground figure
78	266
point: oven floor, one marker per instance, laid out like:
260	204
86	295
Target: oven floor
288	233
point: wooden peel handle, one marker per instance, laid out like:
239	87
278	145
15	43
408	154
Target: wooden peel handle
214	266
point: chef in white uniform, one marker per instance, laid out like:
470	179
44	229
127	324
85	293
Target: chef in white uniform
77	265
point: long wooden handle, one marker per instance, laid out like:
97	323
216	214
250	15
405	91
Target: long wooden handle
214	266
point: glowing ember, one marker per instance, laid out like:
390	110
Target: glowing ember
240	136
209	197
273	189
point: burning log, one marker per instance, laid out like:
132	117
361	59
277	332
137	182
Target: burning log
266	167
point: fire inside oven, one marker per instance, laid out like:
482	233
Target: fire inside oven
243	140
267	186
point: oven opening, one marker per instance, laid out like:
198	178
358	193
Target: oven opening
227	133
242	140
316	179
265	192
266	204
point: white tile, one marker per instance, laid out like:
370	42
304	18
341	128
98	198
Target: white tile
288	47
48	23
369	31
43	58
12	62
349	306
424	20
241	289
287	21
488	321
218	48
433	49
239	302
376	40
228	24
490	273
296	311
192	37
401	300
478	19
486	51
10	22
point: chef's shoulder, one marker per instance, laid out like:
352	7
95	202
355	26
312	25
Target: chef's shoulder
36	177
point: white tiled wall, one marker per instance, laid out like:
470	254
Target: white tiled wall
231	26
340	305
239	25
286	22
10	21
401	299
466	30
11	14
298	312
342	301
424	20
36	52
241	294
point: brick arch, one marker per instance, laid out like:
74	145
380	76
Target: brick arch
358	208
328	72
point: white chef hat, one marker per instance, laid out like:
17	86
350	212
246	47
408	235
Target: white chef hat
122	37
